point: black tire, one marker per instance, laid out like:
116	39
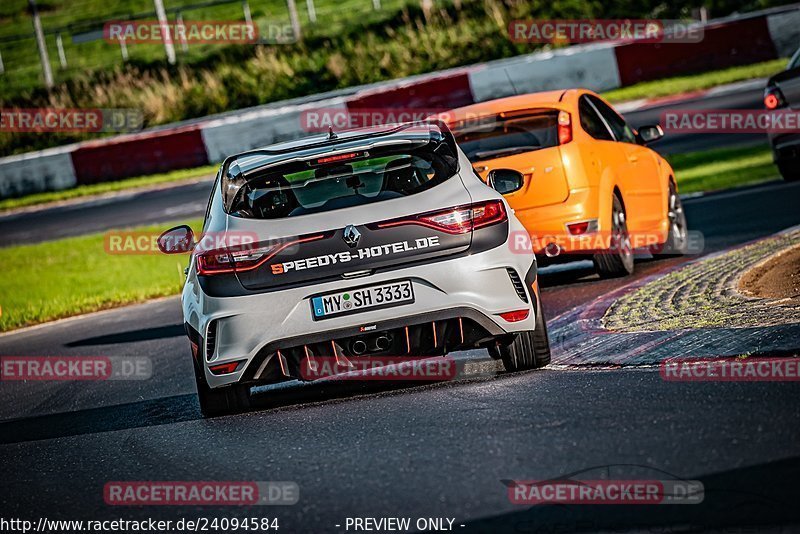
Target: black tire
677	243
220	401
529	350
790	172
618	260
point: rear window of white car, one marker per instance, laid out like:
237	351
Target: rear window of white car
342	180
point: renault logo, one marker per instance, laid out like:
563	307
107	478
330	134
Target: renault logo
351	235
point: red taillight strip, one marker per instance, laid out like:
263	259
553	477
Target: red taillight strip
418	219
260	262
427	224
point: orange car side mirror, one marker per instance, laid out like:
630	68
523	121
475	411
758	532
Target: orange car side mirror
505	181
648	134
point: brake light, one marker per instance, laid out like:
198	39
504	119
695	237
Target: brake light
339	157
459	220
225	368
564	127
583	227
244	259
515	316
773	98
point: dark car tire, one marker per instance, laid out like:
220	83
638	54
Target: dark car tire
220	401
677	243
618	260
529	350
789	172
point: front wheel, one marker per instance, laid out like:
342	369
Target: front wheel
529	350
789	172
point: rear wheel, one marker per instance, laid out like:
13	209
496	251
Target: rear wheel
678	238
220	401
790	172
529	350
618	259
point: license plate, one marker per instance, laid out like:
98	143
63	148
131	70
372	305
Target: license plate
365	298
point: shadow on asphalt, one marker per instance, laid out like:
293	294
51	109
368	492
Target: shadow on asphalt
182	408
760	498
567	275
144	334
166	410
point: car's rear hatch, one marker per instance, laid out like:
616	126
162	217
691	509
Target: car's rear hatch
348	212
526	141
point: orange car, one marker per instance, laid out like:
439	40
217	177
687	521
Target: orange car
580	179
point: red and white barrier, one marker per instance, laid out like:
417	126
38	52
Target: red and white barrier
256	128
44	170
735	41
593	66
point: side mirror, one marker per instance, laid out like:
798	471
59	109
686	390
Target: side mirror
178	240
648	134
505	181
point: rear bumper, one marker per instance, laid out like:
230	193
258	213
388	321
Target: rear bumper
785	148
548	224
476	286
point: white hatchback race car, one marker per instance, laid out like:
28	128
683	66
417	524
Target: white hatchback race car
378	241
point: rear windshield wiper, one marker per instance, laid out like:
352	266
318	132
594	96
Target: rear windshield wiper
500	152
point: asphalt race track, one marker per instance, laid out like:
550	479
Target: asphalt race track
441	450
187	201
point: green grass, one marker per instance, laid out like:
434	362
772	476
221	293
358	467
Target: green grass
696	82
107	187
714	170
56	279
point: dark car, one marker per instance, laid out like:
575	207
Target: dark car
783	92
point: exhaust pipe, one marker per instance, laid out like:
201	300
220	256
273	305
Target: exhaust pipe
358	347
552	250
382	342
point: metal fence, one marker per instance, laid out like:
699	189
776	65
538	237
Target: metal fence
40	45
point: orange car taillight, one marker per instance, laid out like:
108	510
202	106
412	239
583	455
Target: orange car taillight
245	259
458	220
564	127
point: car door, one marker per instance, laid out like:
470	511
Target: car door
646	200
603	155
